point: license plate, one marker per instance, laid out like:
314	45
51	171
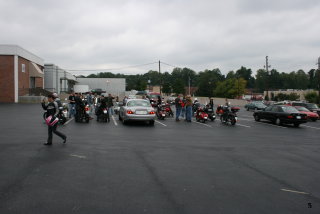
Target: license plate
236	118
87	112
298	117
141	112
205	118
163	115
210	110
105	111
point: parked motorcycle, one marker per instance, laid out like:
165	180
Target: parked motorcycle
210	112
161	112
169	112
82	114
103	115
229	116
201	115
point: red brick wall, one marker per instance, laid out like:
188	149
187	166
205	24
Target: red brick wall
39	82
24	78
7	78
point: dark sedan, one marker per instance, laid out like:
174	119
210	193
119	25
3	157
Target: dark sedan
255	106
281	114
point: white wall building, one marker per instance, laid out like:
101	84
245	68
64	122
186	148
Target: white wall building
114	86
57	79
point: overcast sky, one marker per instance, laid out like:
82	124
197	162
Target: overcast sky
202	34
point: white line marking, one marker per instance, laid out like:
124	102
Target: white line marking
246	119
78	156
202	123
287	190
66	123
243	125
310	127
161	123
114	120
272	125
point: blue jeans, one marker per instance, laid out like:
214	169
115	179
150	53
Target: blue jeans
111	110
188	113
178	111
183	112
72	110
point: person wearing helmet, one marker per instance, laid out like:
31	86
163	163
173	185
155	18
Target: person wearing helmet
52	110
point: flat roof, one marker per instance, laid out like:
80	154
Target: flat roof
19	51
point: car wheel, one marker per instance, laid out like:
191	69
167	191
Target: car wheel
278	122
124	122
314	119
151	122
120	119
247	109
296	124
256	118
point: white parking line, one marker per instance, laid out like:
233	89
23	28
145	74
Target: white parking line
161	123
271	125
202	123
287	190
243	125
114	120
66	123
78	156
245	119
310	127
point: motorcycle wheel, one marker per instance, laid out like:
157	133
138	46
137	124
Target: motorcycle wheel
232	120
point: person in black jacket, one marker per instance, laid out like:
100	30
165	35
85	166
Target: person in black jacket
52	110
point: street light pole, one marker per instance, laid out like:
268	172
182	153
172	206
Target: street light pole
160	77
189	86
318	80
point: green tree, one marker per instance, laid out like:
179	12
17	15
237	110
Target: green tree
312	97
230	88
178	87
245	74
207	82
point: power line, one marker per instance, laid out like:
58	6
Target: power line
107	69
169	64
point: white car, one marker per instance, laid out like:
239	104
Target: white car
137	110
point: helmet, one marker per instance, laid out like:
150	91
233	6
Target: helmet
55	95
51	121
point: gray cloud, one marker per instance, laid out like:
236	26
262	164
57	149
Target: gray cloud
197	34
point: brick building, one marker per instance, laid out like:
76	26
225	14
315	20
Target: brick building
20	73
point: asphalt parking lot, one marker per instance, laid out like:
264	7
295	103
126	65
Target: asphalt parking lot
173	167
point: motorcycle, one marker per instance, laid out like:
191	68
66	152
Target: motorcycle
169	112
82	113
201	115
210	112
103	115
161	112
229	116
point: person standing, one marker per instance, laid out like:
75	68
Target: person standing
183	105
52	110
110	103
188	108
178	102
90	101
72	105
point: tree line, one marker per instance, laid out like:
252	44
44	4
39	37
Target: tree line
212	83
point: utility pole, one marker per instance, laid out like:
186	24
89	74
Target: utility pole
160	77
267	66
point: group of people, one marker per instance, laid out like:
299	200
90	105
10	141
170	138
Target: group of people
185	107
76	102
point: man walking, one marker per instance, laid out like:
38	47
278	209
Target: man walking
178	102
52	112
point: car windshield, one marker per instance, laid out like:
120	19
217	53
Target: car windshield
289	109
312	105
300	108
260	105
134	103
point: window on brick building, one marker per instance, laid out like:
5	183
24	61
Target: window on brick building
23	68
